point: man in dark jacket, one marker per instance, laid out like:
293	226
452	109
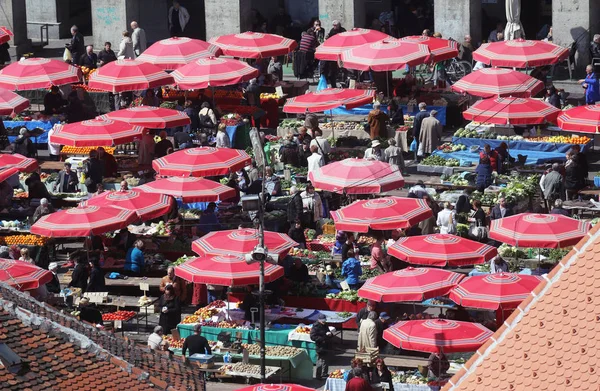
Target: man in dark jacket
77	46
419	117
94	171
107	55
196	343
321	336
97	283
54	285
79	278
67	180
463	205
501	210
295	207
89	58
337	28
363	313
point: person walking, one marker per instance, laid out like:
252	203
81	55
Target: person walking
138	36
178	19
431	133
553	184
77	45
591	86
321	336
393	156
419	117
377	120
446	220
126	47
367	335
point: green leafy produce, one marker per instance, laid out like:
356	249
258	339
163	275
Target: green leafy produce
291	123
350	295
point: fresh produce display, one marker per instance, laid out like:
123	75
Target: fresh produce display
273	351
128	148
326	239
449	147
49	177
302	330
68	150
344	314
231	94
118	315
85	87
437	160
20	193
87	72
79	194
173	343
409	378
345	295
24	240
458	179
291	123
231	119
247	369
365	240
191	319
267	95
144	301
560	139
206	313
343	125
335	156
337	374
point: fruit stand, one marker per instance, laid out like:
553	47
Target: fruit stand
44	124
401	381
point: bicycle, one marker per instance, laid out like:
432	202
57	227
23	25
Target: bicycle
457	69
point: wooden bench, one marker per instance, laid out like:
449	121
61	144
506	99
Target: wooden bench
404	361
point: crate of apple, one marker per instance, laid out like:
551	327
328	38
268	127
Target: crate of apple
118	315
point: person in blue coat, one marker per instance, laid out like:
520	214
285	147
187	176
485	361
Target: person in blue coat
484	173
352	270
134	260
591	85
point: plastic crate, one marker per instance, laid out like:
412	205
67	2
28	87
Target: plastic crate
329	229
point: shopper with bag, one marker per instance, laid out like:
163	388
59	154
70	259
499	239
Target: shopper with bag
76	46
421	115
447	220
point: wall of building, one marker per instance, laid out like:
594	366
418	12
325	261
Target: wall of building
224	16
109	19
14	16
41	11
456	18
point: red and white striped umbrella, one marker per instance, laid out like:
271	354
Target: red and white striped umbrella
276	387
200	162
328	99
147	206
381	214
409	285
240	242
539	230
213	72
441	250
494	291
254	45
129	75
7	172
23	275
515	111
437	335
150	117
333	47
226	270
493	82
441	49
5	34
357	176
584	119
20	162
173	53
83	221
37	73
386	55
96	133
520	53
12	103
190	189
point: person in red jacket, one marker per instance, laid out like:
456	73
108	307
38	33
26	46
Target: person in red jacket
358	383
492	155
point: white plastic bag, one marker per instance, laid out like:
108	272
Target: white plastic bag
67	56
420	150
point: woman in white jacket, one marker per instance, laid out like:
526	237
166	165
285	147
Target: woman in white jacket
126	47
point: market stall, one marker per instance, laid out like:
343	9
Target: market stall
401	382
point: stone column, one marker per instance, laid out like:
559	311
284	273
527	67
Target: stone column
42	11
110	18
457	18
351	13
14	16
571	21
226	17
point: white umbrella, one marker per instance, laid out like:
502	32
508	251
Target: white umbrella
513	29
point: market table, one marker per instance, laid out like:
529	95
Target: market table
273	336
340	385
30	125
533	157
521	145
364	110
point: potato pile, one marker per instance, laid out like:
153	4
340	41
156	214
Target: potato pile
273	351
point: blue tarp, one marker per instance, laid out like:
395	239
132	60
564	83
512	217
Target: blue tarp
533	157
30	125
520	145
364	110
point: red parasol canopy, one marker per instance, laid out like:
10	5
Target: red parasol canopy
409	285
437	335
99	132
5	34
20	162
83	221
584	119
226	270
11	102
129	75
240	242
333	47
37	73
150	117
254	45
190	189
520	53
441	250
441	49
381	214
213	72
386	55
328	99
23	275
494	291
357	176
515	111
175	52
7	172
493	82
276	387
147	206
539	230
203	161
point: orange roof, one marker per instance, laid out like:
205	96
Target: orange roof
551	341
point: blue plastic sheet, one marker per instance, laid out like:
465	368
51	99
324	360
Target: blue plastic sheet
533	157
520	145
364	110
30	125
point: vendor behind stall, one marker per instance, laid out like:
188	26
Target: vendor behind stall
196	343
296	233
79	278
248	303
53	102
298	272
179	285
89	313
42	210
209	221
67	180
134	260
96	283
109	162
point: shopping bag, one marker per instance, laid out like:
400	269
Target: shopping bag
322	83
67	56
420	150
413	145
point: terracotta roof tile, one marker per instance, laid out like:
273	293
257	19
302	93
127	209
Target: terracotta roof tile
551	341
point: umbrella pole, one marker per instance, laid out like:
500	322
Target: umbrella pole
387	83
